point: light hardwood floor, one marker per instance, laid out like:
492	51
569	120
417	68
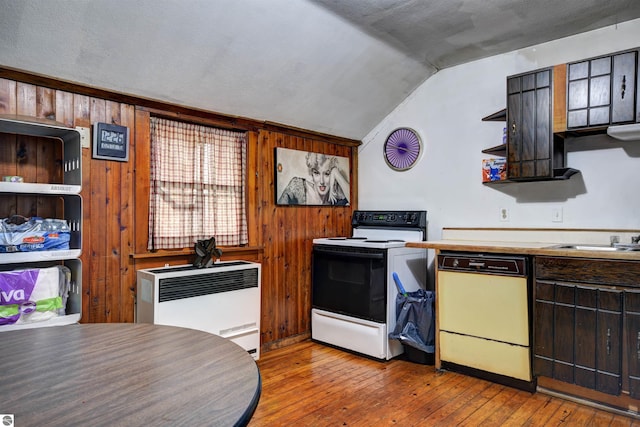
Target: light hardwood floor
309	384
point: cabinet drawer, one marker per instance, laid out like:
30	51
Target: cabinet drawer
589	271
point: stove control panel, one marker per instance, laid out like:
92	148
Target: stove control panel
405	219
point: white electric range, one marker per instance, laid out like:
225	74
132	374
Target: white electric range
353	291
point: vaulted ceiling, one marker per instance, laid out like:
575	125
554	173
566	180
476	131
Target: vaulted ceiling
332	66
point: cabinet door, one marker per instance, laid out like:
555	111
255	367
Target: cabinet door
578	335
585	336
632	333
599	91
529	137
514	120
564	333
609	342
578	94
589	93
623	87
602	91
543	329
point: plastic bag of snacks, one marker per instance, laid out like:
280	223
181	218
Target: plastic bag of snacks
20	234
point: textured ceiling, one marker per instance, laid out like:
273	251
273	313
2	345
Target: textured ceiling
332	66
444	33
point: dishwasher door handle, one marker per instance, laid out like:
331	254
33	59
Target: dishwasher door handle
476	264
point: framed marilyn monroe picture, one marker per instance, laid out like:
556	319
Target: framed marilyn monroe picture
308	178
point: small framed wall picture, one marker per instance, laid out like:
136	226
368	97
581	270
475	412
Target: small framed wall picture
110	142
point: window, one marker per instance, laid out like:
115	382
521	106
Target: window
197	185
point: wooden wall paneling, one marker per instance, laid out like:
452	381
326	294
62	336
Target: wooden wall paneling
26	154
26	99
288	238
81	117
125	226
560	98
8	105
64	114
101	217
115	208
8	161
254	191
283	256
49	156
288	266
141	162
267	211
294	259
308	216
65	108
7	205
112	205
45	103
276	240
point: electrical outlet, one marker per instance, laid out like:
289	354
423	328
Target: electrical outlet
556	215
504	214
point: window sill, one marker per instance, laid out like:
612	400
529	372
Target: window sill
189	252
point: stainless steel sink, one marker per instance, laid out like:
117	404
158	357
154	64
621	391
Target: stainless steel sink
605	248
627	247
587	247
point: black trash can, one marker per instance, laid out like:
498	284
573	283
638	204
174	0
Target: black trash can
415	325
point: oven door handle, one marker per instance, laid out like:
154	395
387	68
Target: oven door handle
354	255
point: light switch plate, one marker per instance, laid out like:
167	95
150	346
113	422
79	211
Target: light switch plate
85	136
556	215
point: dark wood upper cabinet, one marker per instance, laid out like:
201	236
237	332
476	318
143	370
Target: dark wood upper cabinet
529	132
547	105
602	91
534	152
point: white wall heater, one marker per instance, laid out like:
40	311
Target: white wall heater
223	299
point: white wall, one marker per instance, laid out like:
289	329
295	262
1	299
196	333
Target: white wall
446	111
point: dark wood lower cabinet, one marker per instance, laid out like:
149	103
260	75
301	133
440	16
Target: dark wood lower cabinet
632	333
585	324
586	329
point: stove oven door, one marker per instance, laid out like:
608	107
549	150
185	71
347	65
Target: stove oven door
350	281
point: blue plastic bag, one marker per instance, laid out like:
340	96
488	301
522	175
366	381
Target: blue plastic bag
415	322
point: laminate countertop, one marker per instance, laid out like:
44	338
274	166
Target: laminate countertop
125	374
536	242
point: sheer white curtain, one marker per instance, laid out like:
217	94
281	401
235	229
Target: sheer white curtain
197	185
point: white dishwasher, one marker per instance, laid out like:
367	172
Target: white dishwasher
483	311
